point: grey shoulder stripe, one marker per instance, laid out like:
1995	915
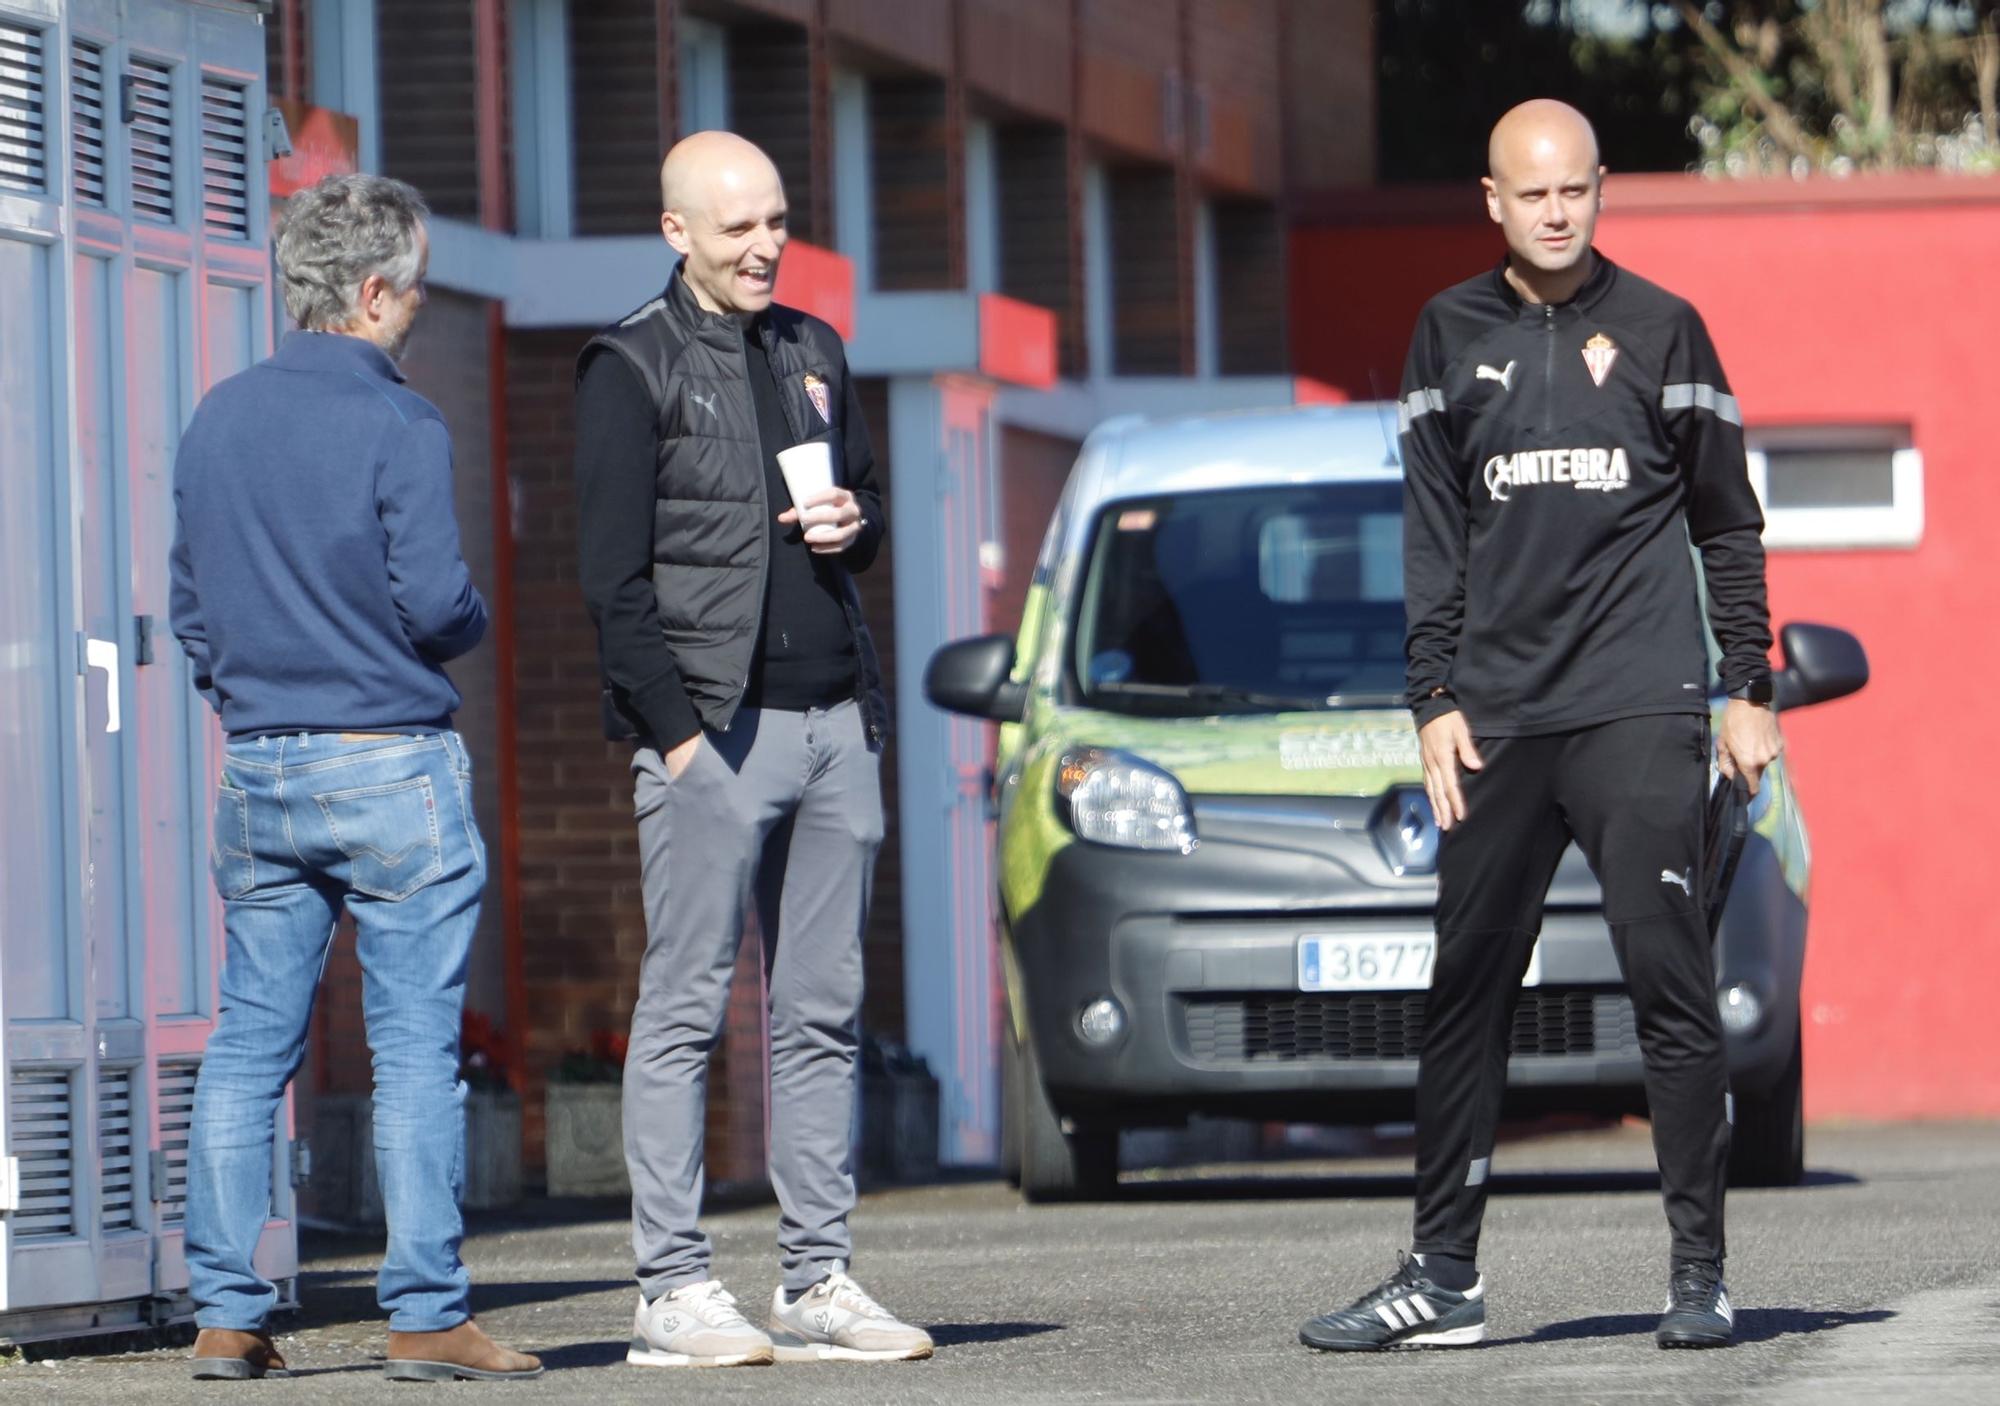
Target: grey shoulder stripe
1696	395
1415	404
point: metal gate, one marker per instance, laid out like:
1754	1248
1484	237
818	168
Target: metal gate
134	258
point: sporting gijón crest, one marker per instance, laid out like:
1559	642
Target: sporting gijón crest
1598	354
816	392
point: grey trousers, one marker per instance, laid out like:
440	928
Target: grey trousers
783	810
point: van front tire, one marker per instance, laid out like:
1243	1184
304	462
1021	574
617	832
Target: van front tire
1767	1147
1078	1165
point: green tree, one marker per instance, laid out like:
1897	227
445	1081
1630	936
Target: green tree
1727	87
1840	85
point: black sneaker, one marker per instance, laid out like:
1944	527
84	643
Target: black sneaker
1405	1310
1698	1312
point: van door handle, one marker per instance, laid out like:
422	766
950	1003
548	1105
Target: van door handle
103	654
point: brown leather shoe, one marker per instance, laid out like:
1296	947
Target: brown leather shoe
464	1352
226	1355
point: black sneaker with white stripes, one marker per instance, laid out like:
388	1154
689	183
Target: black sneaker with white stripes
1407	1309
1698	1312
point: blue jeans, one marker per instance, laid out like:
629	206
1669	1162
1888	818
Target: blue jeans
305	824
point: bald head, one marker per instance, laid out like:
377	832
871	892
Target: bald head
1544	189
707	165
1538	130
723	211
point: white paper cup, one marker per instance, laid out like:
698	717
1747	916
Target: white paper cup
808	469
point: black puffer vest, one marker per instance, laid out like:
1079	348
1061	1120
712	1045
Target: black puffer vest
711	533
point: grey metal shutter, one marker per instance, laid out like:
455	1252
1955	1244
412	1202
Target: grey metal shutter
42	1130
86	102
176	1094
23	90
114	1149
149	113
225	159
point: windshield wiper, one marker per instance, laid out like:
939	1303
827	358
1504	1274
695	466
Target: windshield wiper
1248	697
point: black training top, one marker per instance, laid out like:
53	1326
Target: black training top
1557	460
805	656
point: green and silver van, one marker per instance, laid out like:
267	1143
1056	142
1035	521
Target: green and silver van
1217	866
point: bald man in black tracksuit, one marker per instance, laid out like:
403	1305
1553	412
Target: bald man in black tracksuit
1566	431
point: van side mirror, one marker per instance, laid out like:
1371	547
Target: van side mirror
971	677
1821	664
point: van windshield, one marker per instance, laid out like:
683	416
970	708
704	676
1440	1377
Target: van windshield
1244	600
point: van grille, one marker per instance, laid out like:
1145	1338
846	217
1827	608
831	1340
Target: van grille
1339	1027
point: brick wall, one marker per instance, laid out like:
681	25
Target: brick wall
1033	469
427	73
909	169
1329	87
1149	321
914	32
882	945
1127	50
1018	52
615	116
1233	55
288	24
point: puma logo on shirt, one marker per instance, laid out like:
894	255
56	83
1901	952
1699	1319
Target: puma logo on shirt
1685	882
1505	376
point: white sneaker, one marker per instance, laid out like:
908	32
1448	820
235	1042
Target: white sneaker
835	1320
696	1326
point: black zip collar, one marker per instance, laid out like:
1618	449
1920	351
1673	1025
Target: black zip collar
687	309
1586	297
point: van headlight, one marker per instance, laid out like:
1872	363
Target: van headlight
1113	798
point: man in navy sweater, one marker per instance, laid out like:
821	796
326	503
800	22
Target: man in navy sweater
318	591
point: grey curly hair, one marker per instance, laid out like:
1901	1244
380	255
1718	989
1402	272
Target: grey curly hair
338	232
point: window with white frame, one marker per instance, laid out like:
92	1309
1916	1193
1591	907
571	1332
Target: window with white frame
982	208
853	180
1847	486
703	55
544	194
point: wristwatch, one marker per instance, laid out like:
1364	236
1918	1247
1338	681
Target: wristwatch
1757	690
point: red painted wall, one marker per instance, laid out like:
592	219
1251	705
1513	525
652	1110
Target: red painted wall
1862	302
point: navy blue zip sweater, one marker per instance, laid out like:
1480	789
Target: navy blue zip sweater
317	581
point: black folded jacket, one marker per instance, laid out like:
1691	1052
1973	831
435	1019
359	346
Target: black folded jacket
1725	829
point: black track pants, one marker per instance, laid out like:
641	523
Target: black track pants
1631	793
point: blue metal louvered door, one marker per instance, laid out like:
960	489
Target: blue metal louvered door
134	257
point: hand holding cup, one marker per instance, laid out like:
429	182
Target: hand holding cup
830	516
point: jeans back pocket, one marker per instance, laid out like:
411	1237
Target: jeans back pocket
229	857
389	835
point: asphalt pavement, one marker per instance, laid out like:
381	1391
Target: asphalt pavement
1876	1282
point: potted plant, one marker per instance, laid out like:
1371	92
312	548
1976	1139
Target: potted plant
898	1114
492	1115
585	1125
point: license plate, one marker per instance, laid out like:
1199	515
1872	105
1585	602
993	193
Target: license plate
1378	962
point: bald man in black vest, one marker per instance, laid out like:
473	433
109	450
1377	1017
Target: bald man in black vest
735	656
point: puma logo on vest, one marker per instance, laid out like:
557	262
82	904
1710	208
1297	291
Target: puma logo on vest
707	403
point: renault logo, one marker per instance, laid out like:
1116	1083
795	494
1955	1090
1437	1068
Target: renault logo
1406	832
